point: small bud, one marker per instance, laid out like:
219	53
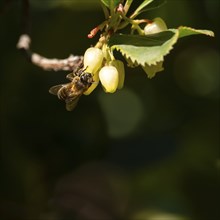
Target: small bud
93	58
158	25
93	32
109	78
119	65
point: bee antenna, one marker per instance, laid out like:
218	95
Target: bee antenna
85	69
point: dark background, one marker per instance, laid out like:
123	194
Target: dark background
148	152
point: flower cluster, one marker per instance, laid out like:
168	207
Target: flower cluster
148	42
109	71
105	68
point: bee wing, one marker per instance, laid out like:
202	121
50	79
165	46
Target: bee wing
71	103
54	89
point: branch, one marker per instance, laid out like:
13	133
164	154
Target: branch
68	64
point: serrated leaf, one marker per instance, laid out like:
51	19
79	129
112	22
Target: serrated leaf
149	51
187	31
148	5
111	3
153	69
130	63
145	50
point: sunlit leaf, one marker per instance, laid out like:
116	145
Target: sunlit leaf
153	69
148	5
149	51
186	31
145	50
142	6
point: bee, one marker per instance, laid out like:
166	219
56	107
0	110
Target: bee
71	92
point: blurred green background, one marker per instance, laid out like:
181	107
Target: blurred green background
147	152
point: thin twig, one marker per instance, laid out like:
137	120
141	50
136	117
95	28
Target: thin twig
68	64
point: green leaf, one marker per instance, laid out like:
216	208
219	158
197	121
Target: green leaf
149	51
111	3
143	5
141	40
187	31
153	69
145	50
147	5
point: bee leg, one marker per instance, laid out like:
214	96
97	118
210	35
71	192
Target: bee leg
70	76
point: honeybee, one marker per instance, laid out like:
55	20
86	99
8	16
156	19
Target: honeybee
71	92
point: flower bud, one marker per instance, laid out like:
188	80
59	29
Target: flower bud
158	25
109	78
93	58
119	65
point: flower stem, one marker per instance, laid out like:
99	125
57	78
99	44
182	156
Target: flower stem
127	5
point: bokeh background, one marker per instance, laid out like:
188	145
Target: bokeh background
147	152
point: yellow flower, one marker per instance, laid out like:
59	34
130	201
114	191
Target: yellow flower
109	78
93	58
92	62
119	65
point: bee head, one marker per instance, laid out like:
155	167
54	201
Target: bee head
86	78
